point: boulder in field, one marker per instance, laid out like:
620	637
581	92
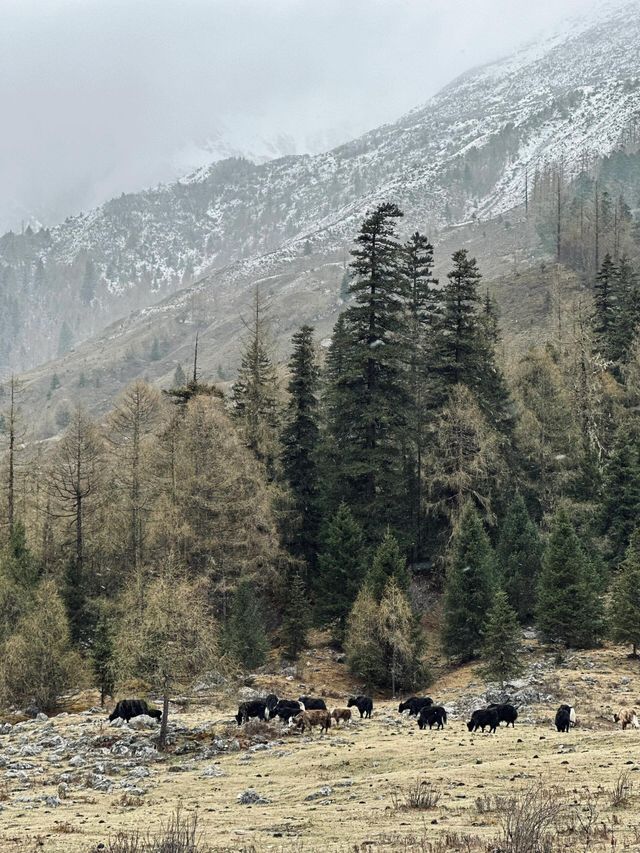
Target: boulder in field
143	722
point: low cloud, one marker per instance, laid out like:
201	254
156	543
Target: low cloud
104	96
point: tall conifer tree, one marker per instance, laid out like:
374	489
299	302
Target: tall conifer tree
620	506
458	328
299	441
465	342
469	587
245	634
569	609
519	554
369	399
255	391
296	619
340	570
502	646
628	314
416	266
624	611
606	308
388	563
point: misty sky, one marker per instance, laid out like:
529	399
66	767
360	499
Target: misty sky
104	96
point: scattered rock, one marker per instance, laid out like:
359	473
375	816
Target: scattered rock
142	722
251	797
212	772
320	794
246	694
99	782
139	772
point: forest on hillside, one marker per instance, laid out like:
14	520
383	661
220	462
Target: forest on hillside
191	533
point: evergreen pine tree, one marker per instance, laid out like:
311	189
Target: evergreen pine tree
340	570
369	400
388	563
489	320
568	607
469	586
74	593
628	313
296	619
416	266
102	655
18	562
624	611
519	555
179	377
335	442
255	391
620	506
465	339
605	308
299	440
501	647
338	353
245	634
458	337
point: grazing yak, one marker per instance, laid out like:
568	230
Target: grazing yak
286	709
626	717
309	703
341	715
482	718
364	704
257	708
415	704
128	708
570	710
271	701
309	719
563	718
432	715
506	713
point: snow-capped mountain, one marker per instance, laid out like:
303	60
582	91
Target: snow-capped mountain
462	155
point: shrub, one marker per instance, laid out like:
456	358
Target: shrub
179	835
528	821
38	662
420	795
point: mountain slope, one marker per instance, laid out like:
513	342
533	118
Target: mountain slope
462	155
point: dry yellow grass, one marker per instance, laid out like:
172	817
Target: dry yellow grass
370	768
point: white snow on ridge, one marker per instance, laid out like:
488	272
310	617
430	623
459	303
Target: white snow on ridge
571	94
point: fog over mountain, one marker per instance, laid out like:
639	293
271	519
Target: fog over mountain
105	96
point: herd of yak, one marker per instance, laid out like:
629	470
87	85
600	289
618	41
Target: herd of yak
307	712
